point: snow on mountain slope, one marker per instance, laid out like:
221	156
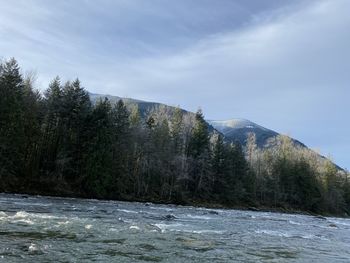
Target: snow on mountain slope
233	130
239	129
227	125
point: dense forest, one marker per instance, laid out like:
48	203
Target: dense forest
60	143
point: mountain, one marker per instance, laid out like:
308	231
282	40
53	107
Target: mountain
239	130
143	106
233	130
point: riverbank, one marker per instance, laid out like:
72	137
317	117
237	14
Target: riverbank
192	203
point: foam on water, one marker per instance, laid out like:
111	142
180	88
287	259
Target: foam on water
63	223
178	227
24	214
294	223
199	217
96	231
26	221
289	235
162	208
206	231
273	233
127	211
21	214
134	228
33	247
168	227
3	214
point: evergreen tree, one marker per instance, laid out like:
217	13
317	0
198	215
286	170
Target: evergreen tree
52	131
121	152
306	189
177	130
12	130
199	152
199	142
99	156
334	195
137	133
32	120
219	167
238	183
346	191
76	107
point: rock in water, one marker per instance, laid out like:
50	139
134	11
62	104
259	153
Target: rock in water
169	217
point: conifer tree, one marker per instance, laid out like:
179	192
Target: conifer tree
219	166
99	156
121	149
12	130
52	130
199	152
76	107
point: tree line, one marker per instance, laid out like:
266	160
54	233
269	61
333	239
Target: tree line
60	143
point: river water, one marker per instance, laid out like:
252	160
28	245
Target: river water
44	229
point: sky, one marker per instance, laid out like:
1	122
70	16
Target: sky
282	64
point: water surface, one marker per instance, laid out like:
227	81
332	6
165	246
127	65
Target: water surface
43	229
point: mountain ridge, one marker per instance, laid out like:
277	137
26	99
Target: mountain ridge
234	129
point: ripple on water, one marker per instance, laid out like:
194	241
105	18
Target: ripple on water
132	255
178	227
289	235
198	217
127	211
113	241
274	253
192	243
38	235
132	232
147	247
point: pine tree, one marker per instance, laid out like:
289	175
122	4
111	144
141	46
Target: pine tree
177	130
239	181
219	165
52	131
76	107
199	152
98	163
199	142
121	152
12	130
32	121
137	133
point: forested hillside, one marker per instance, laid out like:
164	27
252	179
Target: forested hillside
60	143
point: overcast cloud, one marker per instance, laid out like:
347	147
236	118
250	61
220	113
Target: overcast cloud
282	64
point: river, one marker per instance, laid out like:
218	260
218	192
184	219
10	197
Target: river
47	229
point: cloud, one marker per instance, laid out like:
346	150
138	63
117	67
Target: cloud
299	58
289	72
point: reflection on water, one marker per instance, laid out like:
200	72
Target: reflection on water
41	229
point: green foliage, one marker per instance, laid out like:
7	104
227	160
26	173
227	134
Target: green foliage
62	144
12	132
199	142
200	181
98	158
